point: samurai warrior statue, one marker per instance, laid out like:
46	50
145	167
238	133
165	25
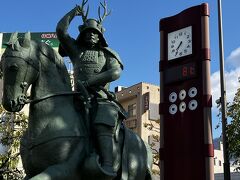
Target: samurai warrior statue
95	66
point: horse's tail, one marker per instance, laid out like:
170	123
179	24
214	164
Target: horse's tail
149	162
147	156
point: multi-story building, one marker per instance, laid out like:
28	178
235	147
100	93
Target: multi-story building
219	163
141	101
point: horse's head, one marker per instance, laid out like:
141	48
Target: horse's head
19	69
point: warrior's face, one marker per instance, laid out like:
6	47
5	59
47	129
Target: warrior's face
91	37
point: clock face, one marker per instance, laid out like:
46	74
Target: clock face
180	43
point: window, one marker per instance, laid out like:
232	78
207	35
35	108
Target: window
132	110
131	124
149	139
220	163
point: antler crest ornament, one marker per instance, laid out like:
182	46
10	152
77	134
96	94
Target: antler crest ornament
81	11
106	12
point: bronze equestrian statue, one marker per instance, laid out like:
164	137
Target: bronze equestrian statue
72	135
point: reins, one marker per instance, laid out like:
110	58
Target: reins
29	101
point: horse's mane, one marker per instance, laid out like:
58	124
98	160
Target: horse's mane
53	57
45	54
50	53
17	45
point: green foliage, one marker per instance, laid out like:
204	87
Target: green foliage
233	128
12	126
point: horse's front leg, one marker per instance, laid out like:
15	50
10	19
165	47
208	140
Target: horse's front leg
67	170
54	172
57	172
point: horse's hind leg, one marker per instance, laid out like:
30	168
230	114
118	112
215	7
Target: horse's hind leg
66	170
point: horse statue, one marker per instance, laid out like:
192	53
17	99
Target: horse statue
56	144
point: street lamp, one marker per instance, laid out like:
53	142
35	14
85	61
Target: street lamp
223	96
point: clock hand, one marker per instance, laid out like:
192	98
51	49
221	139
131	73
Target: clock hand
178	48
179	45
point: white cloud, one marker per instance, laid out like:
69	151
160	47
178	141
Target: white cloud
234	58
232	74
231	81
231	78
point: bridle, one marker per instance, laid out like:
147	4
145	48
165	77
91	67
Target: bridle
23	99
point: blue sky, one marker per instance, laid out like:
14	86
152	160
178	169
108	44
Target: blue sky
133	31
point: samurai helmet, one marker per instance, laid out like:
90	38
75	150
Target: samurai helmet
93	23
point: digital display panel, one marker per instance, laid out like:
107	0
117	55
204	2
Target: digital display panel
180	73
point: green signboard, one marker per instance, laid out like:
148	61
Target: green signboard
50	38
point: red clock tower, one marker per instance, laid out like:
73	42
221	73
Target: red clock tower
186	149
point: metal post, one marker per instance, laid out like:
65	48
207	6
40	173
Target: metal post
223	96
